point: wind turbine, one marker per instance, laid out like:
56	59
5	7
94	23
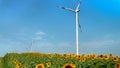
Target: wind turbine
76	11
32	43
33	40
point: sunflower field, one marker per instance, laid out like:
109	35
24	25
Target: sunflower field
40	60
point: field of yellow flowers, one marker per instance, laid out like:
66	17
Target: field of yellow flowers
39	60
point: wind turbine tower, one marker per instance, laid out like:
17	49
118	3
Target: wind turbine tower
76	11
32	43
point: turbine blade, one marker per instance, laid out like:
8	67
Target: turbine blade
80	1
78	6
79	26
69	9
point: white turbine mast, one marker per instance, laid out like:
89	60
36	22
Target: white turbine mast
33	40
76	11
32	43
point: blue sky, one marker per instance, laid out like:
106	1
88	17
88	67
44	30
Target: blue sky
53	29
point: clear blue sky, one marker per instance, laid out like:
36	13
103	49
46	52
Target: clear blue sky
54	29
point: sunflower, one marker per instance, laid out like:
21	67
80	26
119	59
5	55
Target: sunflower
24	67
101	56
105	57
111	56
17	67
69	66
40	66
48	64
116	58
15	61
78	57
117	65
66	55
88	56
83	59
19	64
94	56
73	55
50	56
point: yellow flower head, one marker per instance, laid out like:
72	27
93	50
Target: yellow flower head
83	59
24	67
101	56
105	57
116	58
78	57
73	55
40	66
69	66
88	56
48	64
17	67
94	56
50	56
19	64
117	65
66	55
110	55
15	61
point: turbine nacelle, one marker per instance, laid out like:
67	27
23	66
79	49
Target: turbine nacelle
77	11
